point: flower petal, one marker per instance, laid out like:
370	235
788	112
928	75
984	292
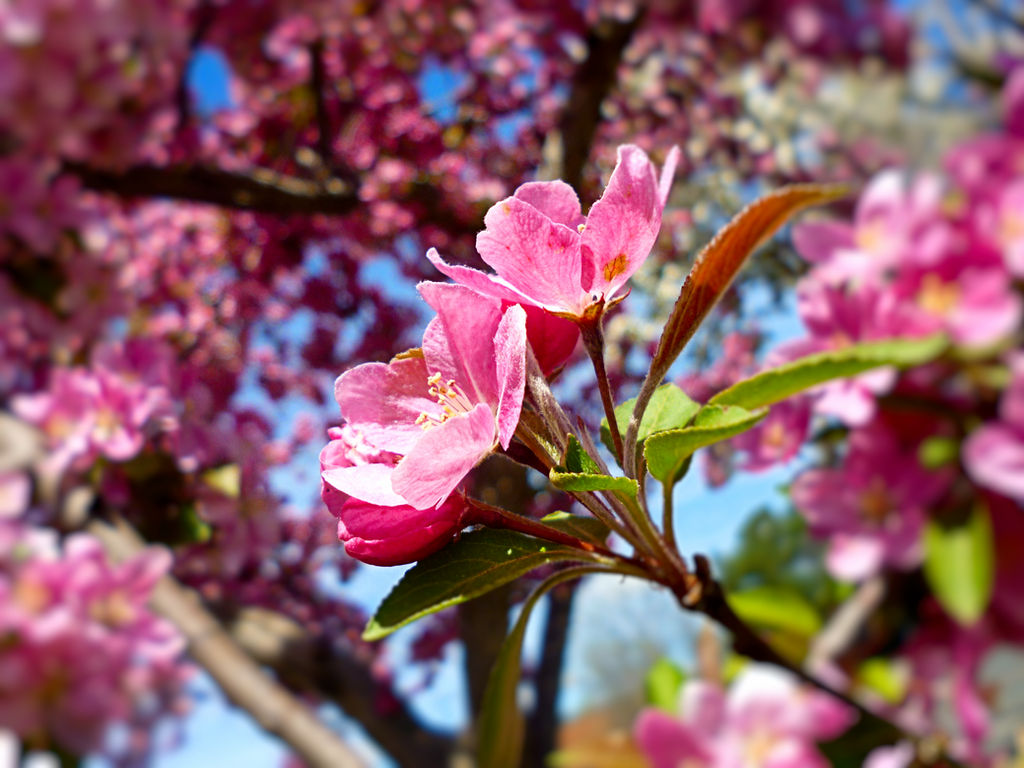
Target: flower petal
369	482
382	401
443	457
555	199
395	535
510	362
623	225
481	282
459	342
537	256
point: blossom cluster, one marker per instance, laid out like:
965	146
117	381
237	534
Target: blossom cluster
416	426
80	648
763	718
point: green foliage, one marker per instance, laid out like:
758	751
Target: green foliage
472	566
668	453
884	677
938	452
775	550
776	607
777	384
959	564
579	472
670	408
500	726
662	684
584	528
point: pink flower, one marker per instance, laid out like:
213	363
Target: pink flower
546	253
994	453
376	535
837	316
442	411
764	721
871	509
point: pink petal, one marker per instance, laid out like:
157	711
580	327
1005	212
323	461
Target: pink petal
817	241
623	225
479	281
994	458
443	457
383	401
369	482
510	361
395	535
668	172
555	199
459	342
668	743
552	338
538	257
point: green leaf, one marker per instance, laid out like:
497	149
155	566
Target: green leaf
585	528
475	564
667	452
662	685
777	384
959	565
717	264
776	608
938	452
578	461
670	408
885	677
570	481
500	727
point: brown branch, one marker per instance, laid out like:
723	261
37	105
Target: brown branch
318	84
310	664
844	624
542	727
246	685
262	190
591	83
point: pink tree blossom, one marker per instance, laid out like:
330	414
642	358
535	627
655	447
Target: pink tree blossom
546	253
764	720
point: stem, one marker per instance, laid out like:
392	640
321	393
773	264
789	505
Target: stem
496	517
668	524
593	341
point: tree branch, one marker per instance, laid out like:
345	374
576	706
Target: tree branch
275	709
263	190
542	727
308	663
591	83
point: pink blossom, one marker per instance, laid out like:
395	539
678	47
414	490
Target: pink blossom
376	535
15	492
442	411
839	315
546	253
873	508
894	224
777	438
765	720
994	453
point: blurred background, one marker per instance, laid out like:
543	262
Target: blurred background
209	209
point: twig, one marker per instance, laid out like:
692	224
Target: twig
246	685
262	190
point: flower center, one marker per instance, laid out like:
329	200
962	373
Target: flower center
450	396
936	296
875	504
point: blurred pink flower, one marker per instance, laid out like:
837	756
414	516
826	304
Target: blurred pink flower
873	508
994	453
765	720
546	253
